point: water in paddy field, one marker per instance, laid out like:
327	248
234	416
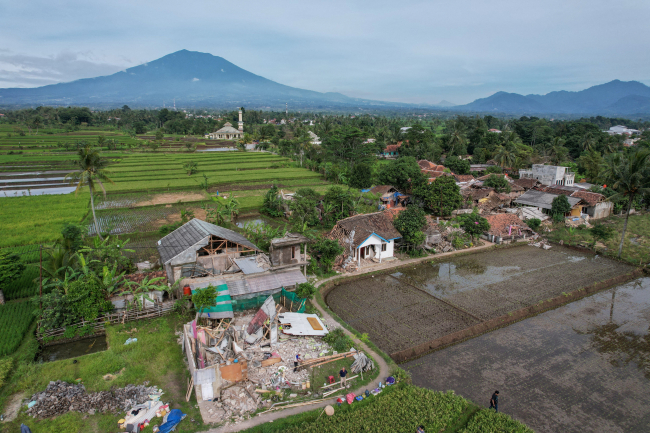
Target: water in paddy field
582	367
218	149
73	349
257	219
17	184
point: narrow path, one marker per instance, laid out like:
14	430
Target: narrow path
384	369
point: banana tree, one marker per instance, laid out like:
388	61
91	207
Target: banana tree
140	291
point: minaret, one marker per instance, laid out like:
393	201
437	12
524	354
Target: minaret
241	122
286	109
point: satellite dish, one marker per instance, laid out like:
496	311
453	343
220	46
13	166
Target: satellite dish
329	410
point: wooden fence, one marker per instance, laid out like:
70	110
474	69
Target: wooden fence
113	318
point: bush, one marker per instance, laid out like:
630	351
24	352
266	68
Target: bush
534	223
305	290
339	340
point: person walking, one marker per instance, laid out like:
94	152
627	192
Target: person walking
494	401
420	429
343	373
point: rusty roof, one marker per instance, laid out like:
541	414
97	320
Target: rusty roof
382	189
363	226
463	177
526	183
501	223
392	147
591	198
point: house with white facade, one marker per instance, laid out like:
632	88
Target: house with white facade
549	175
622	130
366	238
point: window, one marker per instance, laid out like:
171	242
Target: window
293	253
384	247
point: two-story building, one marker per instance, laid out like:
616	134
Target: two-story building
549	174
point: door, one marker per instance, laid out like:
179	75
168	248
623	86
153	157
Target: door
363	253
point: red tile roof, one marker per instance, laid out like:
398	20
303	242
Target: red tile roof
392	148
591	198
501	223
526	183
363	226
463	177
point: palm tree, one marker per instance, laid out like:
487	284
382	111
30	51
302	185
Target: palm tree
629	176
504	156
588	142
558	151
91	172
457	139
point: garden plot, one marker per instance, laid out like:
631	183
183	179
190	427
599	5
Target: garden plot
120	221
431	300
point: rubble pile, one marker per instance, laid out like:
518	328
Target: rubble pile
362	363
61	397
248	362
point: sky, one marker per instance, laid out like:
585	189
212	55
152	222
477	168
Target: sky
403	51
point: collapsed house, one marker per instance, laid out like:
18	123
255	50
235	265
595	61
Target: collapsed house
485	198
365	238
506	228
200	254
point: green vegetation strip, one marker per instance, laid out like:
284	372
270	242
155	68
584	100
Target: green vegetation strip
38	219
398	409
15	318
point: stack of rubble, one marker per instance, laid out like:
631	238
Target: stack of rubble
61	397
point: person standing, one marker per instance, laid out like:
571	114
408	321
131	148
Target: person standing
494	401
343	373
420	429
296	362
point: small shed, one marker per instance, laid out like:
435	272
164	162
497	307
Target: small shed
289	251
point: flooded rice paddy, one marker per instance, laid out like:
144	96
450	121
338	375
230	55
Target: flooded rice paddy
583	367
25	183
431	300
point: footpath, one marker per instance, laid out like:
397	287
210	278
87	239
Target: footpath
384	369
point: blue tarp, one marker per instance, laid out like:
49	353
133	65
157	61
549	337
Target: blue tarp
365	190
173	418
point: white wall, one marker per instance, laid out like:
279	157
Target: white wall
376	240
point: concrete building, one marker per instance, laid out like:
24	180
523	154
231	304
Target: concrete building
549	174
228	132
622	130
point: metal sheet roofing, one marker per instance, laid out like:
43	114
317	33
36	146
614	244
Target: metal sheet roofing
249	265
541	199
193	232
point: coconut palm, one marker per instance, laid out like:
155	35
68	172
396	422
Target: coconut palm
457	139
588	142
629	176
504	156
92	172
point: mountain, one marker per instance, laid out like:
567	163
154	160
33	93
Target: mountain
613	98
445	103
188	77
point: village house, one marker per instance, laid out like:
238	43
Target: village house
228	132
485	198
199	254
464	179
391	151
506	228
432	171
594	204
549	174
389	196
543	201
366	237
622	130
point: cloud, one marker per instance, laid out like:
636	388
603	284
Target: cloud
21	70
412	51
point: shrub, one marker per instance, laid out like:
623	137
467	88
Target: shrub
339	340
534	223
305	290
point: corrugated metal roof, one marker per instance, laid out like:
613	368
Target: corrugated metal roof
249	265
193	232
542	199
274	281
237	287
290	278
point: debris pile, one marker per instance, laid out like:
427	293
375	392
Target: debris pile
61	397
362	363
254	361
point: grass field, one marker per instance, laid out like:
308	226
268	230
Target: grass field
15	318
156	358
636	247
